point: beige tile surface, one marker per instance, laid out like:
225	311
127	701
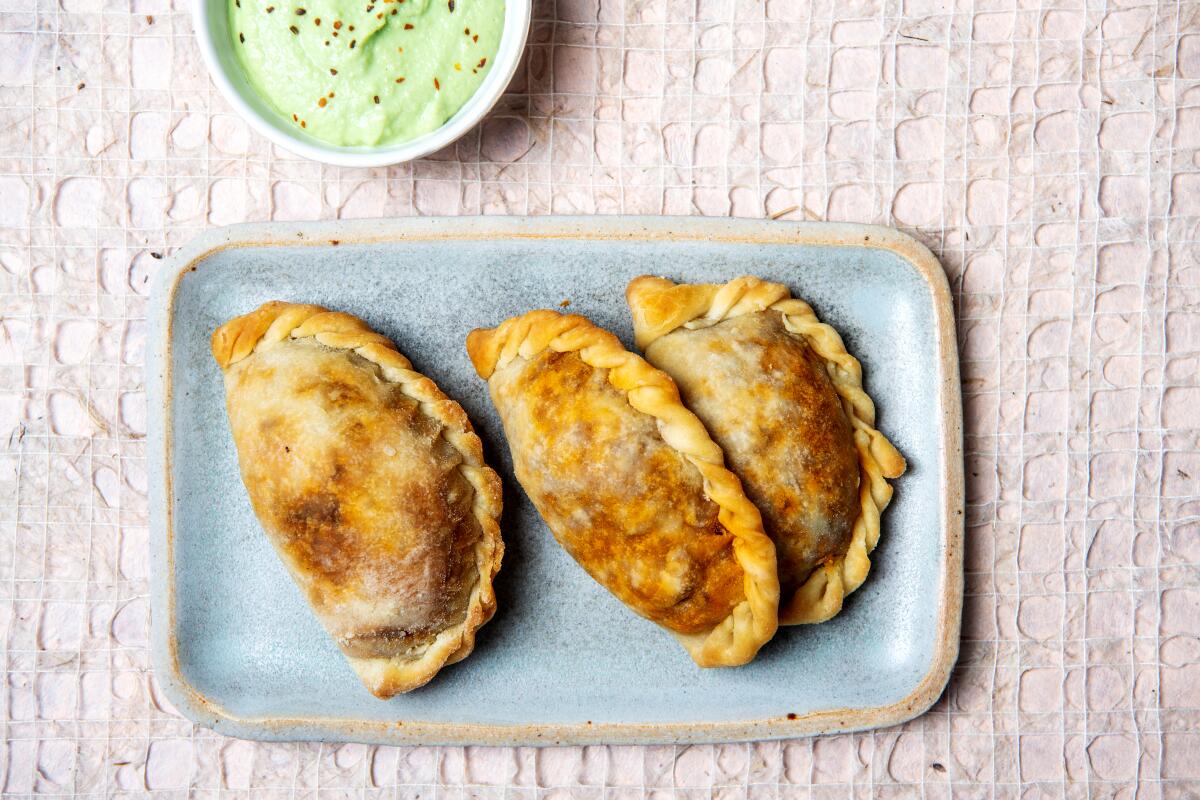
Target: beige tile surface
1049	153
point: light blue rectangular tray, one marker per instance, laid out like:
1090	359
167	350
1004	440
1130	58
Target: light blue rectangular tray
236	647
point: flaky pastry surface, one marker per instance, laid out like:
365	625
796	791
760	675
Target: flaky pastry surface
370	484
785	400
630	483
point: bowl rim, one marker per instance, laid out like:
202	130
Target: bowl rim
517	17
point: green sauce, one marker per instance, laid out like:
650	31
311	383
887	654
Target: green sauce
366	72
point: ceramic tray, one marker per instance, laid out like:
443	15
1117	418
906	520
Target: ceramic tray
236	647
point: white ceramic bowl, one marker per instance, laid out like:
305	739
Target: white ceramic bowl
211	20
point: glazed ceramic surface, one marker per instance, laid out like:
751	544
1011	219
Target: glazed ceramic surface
236	646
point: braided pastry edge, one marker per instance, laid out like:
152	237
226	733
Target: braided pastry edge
660	306
276	322
737	638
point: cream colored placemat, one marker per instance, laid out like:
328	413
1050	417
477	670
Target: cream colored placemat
1049	153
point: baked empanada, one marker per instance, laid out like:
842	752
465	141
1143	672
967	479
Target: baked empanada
630	483
784	400
370	484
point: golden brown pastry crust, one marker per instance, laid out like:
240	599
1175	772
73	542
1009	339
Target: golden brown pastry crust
758	313
767	400
370	484
630	482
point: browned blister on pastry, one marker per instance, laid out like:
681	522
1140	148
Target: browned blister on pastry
630	483
784	400
370	484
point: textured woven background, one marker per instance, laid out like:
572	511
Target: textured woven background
1048	152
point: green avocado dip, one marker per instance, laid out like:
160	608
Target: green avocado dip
366	72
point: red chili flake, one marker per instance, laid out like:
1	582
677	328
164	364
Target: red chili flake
337	24
482	61
466	31
450	5
379	15
352	43
242	38
408	26
317	22
475	38
332	71
303	123
294	29
376	99
437	85
394	12
331	95
295	118
399	80
270	9
335	33
322	102
350	28
300	12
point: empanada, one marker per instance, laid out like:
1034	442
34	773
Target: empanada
370	484
630	483
782	397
